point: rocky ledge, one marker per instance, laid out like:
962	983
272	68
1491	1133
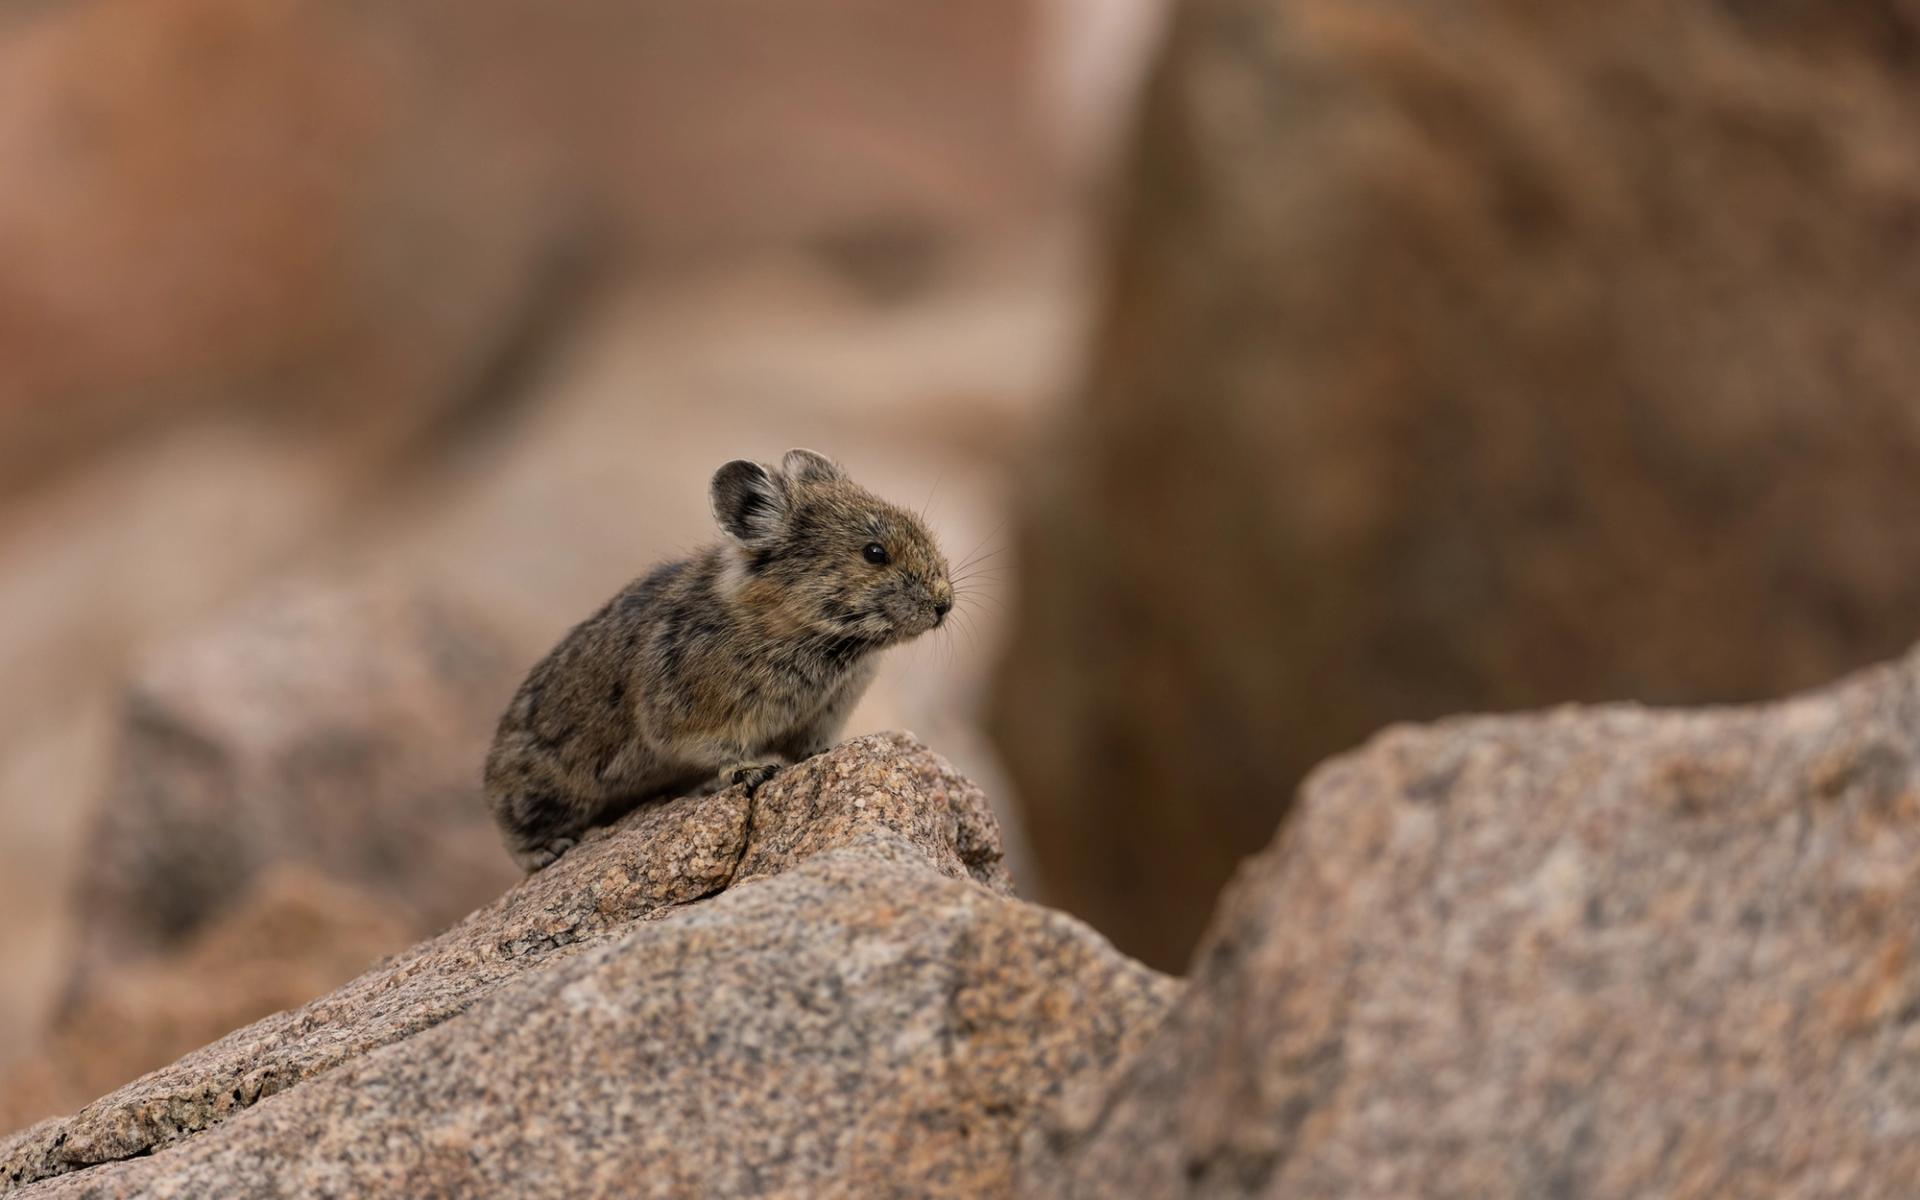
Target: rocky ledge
1605	952
825	990
1597	953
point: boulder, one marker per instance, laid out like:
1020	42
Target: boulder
331	727
1463	358
824	990
1604	952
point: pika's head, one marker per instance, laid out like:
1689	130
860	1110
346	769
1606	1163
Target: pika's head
828	554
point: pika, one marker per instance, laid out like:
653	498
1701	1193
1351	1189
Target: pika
719	668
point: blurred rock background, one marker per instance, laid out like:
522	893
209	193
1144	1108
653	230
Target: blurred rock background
1463	358
360	349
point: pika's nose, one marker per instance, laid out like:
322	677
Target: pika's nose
941	608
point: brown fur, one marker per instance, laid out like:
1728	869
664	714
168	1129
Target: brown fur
729	664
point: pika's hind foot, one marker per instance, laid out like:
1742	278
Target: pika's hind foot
537	857
753	774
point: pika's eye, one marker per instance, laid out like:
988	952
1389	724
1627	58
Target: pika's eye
876	554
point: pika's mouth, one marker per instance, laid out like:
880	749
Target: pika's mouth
898	630
898	619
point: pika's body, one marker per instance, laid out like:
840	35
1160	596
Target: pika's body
723	666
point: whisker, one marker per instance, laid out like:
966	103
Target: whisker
931	493
989	573
983	563
969	559
966	618
981	553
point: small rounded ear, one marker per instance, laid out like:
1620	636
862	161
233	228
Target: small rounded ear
747	501
808	467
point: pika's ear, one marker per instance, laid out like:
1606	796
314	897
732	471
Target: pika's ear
747	501
805	466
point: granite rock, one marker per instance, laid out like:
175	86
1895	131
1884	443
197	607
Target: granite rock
1463	358
1608	952
825	990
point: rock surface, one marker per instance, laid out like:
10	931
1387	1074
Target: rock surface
826	991
1602	953
335	728
1464	358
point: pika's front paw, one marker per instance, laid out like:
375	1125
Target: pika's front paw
754	774
534	858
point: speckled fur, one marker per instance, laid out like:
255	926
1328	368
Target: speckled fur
720	667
